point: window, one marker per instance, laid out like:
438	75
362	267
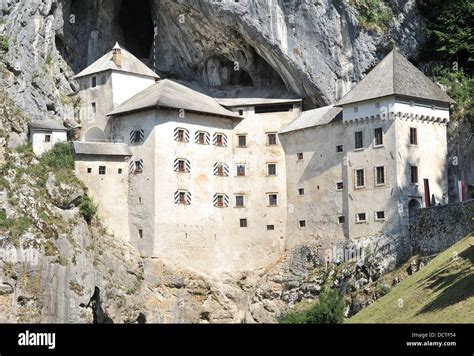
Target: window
300	156
180	135
239	201
272	199
341	219
377	105
261	109
380	175
413	136
378	132
89	170
94	108
138	167
340	186
219	140
181	166
182	197
360	178
242	140
137	136
339	148
301	192
241	112
119	171
359	140
272	169
356	109
270	227
302	223
241	170
102	170
202	138
140	233
379	215
221	169
361	217
94	82
272	139
47	138
220	201
243	222
414	174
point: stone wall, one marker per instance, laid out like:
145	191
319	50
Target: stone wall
439	227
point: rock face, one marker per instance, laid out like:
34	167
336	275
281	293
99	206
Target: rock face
317	49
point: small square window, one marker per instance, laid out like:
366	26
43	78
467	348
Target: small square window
301	192
300	156
243	222
272	199
380	215
120	171
340	185
94	82
302	223
202	138
89	170
219	140
361	217
241	112
341	219
241	170
272	138
220	201
180	136
356	109
270	227
181	166
220	170
239	201
242	140
339	148
47	138
102	170
272	169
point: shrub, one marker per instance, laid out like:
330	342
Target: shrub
329	310
373	14
87	209
5	44
59	157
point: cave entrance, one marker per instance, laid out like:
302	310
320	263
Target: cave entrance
137	27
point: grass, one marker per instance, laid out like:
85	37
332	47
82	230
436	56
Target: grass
441	292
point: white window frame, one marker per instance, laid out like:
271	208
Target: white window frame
355	178
358	221
384	176
377	218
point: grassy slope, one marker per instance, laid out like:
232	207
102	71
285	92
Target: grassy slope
441	292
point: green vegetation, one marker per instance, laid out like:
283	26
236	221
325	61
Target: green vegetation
373	14
49	59
59	157
329	310
443	291
14	226
87	209
4	43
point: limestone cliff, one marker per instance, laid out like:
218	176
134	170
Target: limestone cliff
316	49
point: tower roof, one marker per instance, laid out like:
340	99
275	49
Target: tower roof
395	75
170	94
130	64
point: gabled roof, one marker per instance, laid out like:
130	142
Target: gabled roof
130	64
101	149
170	94
47	125
395	75
315	117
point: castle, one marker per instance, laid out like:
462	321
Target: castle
228	182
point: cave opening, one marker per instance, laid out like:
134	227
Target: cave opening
222	71
136	24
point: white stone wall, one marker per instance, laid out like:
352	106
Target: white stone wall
126	85
201	236
38	140
109	191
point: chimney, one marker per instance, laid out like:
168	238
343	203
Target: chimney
117	55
